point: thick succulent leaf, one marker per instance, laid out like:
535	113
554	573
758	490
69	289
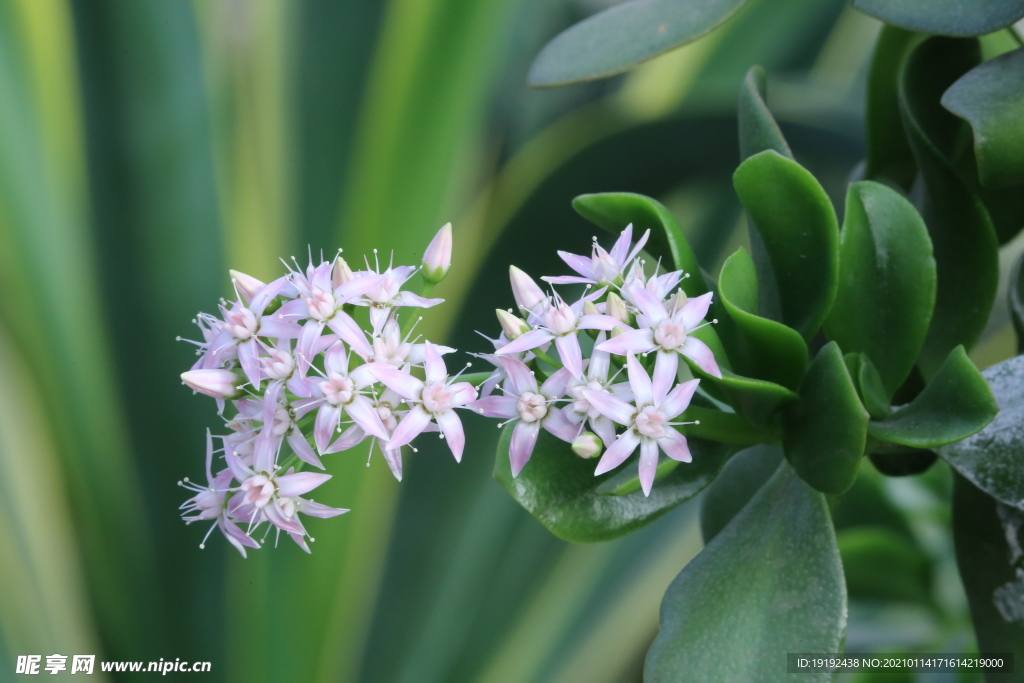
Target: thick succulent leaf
613	211
991	459
826	431
988	536
757	347
888	152
798	226
945	17
880	565
758	129
962	233
886	282
956	404
869	385
735	485
781	550
625	35
559	488
991	98
1016	295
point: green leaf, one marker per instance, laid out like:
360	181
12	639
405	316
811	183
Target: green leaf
962	233
825	433
757	347
888	152
758	129
796	220
735	485
880	565
559	488
1016	295
955	404
987	536
991	459
991	98
945	17
886	282
905	462
771	582
869	385
613	211
623	36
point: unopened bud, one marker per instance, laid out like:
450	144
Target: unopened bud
528	295
437	259
616	308
587	445
513	326
216	383
590	309
677	301
246	285
341	273
616	331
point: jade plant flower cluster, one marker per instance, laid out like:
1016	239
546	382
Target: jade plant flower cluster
297	378
629	322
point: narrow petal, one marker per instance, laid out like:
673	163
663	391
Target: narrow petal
299	385
351	437
694	311
597	370
304	351
463	393
342	324
632	341
406	385
648	464
699	353
649	305
639	245
665	368
554	386
410	299
570	353
248	358
496	406
279	329
411	426
524	438
581	264
356	287
604	428
277	518
519	376
363	414
618	452
302	448
527	341
434	366
678	399
291	485
610	406
620	250
559	425
393	457
593	321
238	469
326	422
266	295
567	280
313	509
639	382
451	427
675	446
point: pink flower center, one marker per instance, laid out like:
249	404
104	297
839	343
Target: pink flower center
286	506
532	407
437	398
258	490
581	405
241	323
605	269
321	304
669	335
650	422
385	411
561	320
208	504
338	389
390	349
279	365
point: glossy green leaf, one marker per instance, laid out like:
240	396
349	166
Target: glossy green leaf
825	433
613	211
869	385
559	488
962	233
888	152
988	537
757	347
735	485
886	282
797	223
880	565
991	459
955	404
945	17
625	35
991	98
1016	295
781	551
758	128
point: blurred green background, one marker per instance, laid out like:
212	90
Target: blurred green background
146	146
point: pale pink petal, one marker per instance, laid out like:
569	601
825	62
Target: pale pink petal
496	406
593	321
665	367
581	264
694	311
266	295
631	341
393	457
362	412
570	353
356	287
650	305
279	329
597	369
618	452
462	393
648	464
314	509
620	250
519	376
304	347
410	299
342	324
604	428
524	438
639	382
277	518
610	406
379	318
554	386
292	311
675	446
527	341
299	385
558	424
639	245
451	427
406	385
567	280
248	358
291	485
238	469
411	426
326	422
302	448
351	437
678	399
434	366
699	353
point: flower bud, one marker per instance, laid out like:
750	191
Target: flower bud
587	445
341	273
616	308
247	285
616	331
222	384
590	309
513	326
528	295
676	301
437	259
